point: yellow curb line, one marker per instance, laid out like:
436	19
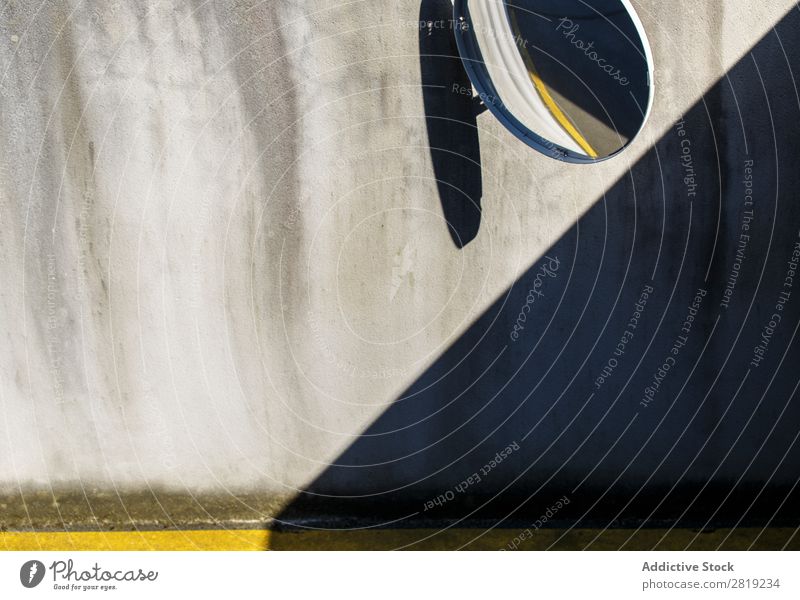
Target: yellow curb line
415	539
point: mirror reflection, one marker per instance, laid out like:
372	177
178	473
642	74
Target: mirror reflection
569	77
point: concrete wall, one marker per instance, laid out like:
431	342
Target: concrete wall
226	256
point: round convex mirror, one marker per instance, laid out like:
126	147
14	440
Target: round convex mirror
570	78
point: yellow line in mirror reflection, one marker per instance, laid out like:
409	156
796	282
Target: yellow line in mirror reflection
773	538
544	94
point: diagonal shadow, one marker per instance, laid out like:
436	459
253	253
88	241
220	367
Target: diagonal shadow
717	443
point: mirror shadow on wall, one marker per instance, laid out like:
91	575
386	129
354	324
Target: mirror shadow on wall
450	116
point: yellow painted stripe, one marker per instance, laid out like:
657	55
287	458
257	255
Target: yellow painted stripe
415	539
544	94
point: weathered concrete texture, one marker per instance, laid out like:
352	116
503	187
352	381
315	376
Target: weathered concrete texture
225	255
97	509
